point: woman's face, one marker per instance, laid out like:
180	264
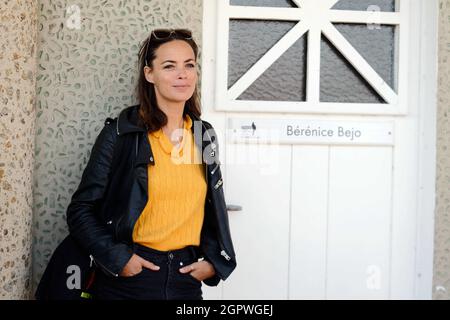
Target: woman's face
173	72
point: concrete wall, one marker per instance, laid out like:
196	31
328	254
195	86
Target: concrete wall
441	279
18	29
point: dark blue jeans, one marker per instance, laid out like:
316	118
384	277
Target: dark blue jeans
168	283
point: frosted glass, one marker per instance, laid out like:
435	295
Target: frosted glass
285	79
339	81
363	5
263	3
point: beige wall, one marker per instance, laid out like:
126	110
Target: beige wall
18	31
441	281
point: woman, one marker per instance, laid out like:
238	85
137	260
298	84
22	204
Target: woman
150	207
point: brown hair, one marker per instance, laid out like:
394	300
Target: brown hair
151	116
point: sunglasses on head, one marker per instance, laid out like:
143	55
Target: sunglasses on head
163	34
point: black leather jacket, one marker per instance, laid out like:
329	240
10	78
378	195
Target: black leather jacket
105	207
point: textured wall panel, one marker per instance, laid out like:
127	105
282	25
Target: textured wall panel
87	64
442	232
18	29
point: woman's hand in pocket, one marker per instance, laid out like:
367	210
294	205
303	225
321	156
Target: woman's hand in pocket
135	265
200	270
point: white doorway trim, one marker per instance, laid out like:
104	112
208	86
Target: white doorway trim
426	194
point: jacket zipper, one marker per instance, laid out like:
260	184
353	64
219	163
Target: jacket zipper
218	184
223	253
215	168
102	266
206	166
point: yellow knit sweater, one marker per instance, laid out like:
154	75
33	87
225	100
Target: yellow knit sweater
173	216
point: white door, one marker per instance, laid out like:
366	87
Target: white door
317	110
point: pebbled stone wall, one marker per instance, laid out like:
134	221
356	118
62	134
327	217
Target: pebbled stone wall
18	29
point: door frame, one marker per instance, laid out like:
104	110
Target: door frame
428	103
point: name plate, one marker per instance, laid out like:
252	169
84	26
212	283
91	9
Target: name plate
292	131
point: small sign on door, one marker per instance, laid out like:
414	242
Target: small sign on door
302	131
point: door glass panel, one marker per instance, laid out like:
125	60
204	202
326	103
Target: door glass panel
249	40
366	5
376	45
284	80
264	3
340	82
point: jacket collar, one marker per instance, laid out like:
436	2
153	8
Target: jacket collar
128	120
